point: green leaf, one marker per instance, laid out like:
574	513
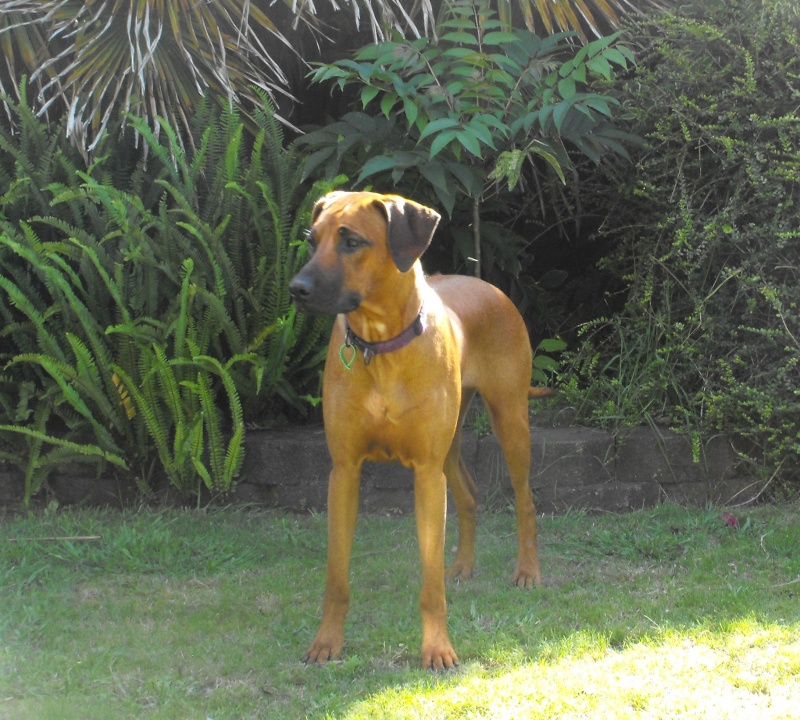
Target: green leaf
596	46
412	111
441	141
463	71
566	87
378	164
459	53
447	196
481	132
470	177
615	56
388	102
544	152
545	117
331	72
599	104
627	53
552	345
437	126
600	66
88	450
560	113
469	141
508	167
545	362
505	61
368	94
499	38
434	173
460	37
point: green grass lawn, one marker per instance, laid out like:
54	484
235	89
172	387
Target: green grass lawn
662	613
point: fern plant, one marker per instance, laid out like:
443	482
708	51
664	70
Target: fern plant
239	207
176	397
146	319
64	346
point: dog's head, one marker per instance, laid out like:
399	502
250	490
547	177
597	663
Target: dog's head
359	242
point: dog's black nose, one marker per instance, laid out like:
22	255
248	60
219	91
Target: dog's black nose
300	288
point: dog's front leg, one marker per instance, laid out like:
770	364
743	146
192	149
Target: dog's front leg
430	503
343	487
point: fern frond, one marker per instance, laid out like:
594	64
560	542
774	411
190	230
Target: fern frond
182	321
234	458
203	473
218	321
203	150
64	228
193	449
167	382
35	474
80	449
46	341
208	241
72	390
124	396
213	424
171	155
148	410
232	154
110	284
91	383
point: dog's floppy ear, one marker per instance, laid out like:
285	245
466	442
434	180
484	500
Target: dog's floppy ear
409	230
324	201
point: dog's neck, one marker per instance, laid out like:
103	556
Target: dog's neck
382	321
370	349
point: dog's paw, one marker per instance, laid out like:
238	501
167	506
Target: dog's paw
527	577
322	650
442	657
459	571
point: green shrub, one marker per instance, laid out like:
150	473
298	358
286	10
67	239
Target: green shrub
470	114
146	316
705	236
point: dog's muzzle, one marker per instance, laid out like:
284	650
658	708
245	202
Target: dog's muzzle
321	295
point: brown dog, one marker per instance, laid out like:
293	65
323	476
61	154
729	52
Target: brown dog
426	346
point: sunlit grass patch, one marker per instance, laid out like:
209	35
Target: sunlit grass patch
679	674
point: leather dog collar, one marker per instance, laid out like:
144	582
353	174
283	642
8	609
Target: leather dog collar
370	349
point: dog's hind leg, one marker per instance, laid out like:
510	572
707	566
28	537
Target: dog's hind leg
465	496
509	416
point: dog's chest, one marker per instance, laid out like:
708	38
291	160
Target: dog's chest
387	409
397	424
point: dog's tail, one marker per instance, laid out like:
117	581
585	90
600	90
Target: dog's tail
540	392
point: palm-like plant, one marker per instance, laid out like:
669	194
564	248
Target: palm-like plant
149	58
89	59
586	17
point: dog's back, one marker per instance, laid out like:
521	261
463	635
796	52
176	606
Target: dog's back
496	346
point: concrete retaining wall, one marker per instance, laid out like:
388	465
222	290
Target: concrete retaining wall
571	468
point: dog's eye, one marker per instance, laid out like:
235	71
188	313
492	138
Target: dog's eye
350	241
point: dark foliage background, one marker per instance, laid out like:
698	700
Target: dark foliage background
699	237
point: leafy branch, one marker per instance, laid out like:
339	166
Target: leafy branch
477	104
